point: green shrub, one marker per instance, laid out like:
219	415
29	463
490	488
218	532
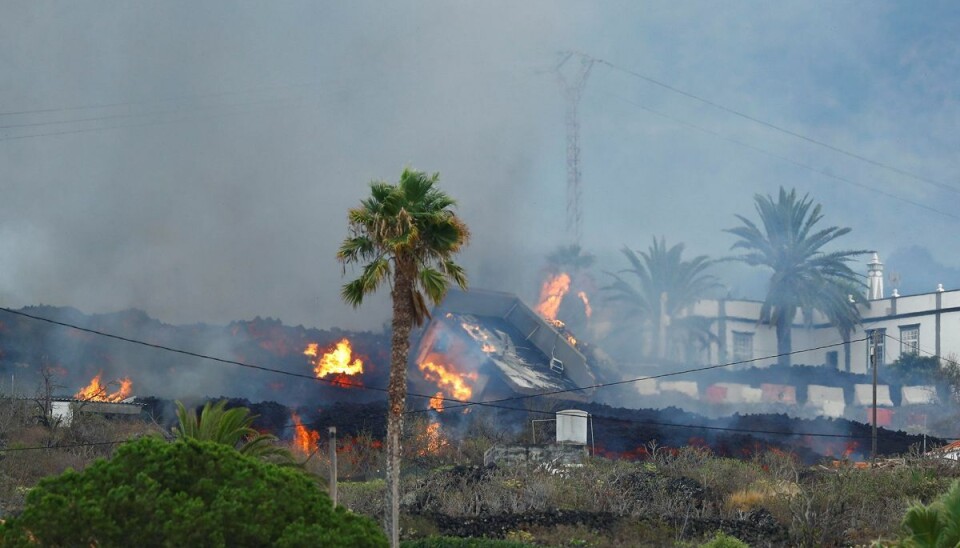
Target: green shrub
722	540
454	542
935	525
187	493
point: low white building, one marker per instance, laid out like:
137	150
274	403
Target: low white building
928	324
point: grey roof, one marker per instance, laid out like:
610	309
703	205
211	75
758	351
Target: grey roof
514	339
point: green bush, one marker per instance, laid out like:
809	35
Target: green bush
454	542
722	540
187	493
935	525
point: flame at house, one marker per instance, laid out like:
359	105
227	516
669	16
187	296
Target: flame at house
337	364
451	381
304	439
552	292
96	391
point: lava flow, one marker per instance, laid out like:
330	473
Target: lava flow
95	391
338	363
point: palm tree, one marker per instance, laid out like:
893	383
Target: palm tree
666	285
804	278
233	427
407	233
933	526
569	257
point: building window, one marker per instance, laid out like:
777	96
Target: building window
833	359
910	339
742	346
875	340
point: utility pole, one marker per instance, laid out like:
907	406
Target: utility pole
875	337
572	89
333	464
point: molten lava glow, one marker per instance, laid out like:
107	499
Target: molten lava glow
338	362
587	309
551	295
304	439
436	402
95	391
448	379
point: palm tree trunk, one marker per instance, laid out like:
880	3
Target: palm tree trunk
397	392
784	339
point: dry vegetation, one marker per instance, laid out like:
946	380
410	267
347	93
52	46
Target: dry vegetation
675	497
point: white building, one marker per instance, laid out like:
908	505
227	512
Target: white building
928	324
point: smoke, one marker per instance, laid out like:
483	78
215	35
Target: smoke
251	129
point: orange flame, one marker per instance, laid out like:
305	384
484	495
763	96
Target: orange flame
436	402
95	391
448	379
433	439
338	362
551	295
304	439
587	309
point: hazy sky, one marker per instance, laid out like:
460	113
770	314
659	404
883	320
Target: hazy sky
212	179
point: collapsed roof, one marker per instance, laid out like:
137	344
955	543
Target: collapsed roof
497	335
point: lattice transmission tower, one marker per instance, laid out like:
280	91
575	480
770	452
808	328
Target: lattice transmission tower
572	82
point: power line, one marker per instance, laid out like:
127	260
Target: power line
462	403
175	98
775	127
175	110
150	123
786	159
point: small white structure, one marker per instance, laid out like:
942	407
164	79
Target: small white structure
863	395
687	388
572	426
828	400
65	410
61	412
919	395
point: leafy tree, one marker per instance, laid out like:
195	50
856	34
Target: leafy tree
185	493
233	427
569	257
664	285
936	525
803	278
407	233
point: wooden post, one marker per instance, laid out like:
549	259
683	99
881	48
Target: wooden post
333	464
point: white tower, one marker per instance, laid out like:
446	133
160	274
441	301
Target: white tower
875	278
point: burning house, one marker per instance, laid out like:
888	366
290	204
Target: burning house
487	345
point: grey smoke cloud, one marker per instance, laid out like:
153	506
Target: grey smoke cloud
229	201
